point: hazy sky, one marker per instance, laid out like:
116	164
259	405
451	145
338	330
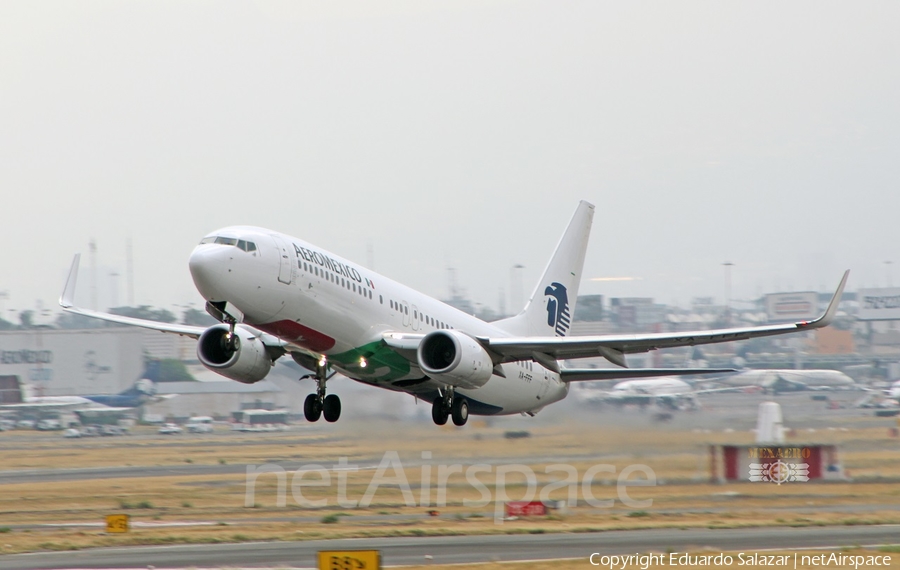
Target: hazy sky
454	133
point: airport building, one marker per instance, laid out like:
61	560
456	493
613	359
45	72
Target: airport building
217	398
58	362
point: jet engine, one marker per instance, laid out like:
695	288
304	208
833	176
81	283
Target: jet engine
243	359
455	358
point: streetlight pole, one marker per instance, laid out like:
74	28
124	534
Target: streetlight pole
727	265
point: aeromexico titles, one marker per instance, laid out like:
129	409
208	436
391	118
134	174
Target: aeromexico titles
276	295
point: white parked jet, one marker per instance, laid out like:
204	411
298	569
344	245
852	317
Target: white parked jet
893	391
275	295
670	392
142	392
772	380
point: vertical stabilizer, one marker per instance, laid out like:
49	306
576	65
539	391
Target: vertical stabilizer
11	390
551	307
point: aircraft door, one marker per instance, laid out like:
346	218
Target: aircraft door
406	314
285	267
414	317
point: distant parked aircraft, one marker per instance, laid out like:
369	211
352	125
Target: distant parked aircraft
142	392
787	380
670	392
894	391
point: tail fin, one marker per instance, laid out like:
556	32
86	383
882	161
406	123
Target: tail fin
141	388
11	390
552	304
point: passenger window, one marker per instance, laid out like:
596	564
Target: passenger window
381	299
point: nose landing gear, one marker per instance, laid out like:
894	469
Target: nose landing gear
218	311
447	406
318	404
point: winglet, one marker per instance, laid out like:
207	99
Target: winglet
67	299
826	319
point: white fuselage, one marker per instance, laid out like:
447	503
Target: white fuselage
652	387
329	306
638	391
786	380
894	391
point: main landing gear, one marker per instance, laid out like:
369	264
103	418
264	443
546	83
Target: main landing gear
450	406
318	404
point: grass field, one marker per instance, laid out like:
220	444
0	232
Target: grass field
215	507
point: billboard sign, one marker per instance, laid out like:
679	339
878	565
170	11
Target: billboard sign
792	306
879	304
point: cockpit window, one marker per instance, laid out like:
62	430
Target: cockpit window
248	246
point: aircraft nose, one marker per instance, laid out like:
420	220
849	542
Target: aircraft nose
208	264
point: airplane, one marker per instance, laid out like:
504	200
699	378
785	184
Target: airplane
773	380
142	392
666	391
275	295
894	391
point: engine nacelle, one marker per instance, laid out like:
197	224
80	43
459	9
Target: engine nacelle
245	361
455	358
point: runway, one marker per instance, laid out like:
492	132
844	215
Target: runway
460	549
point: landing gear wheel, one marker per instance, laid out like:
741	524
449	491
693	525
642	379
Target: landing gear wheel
439	412
460	411
331	408
312	408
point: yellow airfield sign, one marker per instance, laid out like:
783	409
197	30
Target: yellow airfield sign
117	523
349	560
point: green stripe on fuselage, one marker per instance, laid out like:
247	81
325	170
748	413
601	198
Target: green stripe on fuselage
382	363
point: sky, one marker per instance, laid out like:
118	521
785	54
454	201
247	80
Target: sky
453	134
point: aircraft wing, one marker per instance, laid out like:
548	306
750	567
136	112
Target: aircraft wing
586	374
41	405
547	350
102	410
66	301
